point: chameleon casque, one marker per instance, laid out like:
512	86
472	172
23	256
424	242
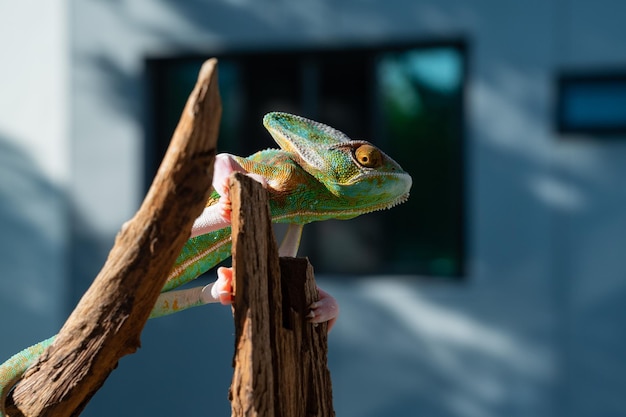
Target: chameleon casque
318	173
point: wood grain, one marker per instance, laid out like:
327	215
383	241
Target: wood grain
280	358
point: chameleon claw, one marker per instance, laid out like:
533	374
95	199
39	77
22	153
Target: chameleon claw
326	309
225	208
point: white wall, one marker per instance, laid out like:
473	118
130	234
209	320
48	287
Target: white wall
534	330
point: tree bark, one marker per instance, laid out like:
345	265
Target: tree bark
255	266
107	322
303	381
280	359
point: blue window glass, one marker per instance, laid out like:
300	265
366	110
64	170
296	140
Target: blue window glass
594	104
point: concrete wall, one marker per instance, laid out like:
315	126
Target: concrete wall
590	233
534	330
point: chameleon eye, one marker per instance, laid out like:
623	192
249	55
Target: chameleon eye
368	156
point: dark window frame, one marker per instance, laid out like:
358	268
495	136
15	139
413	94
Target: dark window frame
154	64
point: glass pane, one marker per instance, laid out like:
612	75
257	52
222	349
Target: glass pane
595	105
421	93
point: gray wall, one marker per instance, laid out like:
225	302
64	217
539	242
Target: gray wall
534	330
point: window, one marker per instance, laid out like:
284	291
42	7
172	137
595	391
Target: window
406	99
592	103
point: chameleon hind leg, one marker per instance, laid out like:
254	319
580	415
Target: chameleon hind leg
213	218
220	291
326	309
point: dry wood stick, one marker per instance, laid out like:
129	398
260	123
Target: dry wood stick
108	320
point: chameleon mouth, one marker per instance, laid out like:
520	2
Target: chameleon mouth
351	213
400	187
343	213
402	199
388	205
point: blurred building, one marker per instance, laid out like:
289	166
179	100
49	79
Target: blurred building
499	290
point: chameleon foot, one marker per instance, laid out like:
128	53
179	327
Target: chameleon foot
222	289
326	309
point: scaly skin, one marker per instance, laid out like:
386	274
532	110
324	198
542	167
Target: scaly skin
318	174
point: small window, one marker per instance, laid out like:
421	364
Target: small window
406	99
592	104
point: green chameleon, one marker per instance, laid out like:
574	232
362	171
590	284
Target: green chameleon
318	174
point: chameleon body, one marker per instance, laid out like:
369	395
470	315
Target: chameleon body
318	174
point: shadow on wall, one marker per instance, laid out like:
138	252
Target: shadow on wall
396	350
87	254
49	254
32	250
401	349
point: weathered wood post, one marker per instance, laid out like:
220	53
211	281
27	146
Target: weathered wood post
281	359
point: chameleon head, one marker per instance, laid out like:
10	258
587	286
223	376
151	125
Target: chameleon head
362	176
366	178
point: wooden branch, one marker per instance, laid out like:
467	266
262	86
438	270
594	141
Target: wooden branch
281	359
108	320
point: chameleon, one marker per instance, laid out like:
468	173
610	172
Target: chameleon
318	173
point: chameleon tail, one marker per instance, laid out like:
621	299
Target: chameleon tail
13	369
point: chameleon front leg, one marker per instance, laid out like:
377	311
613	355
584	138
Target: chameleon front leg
291	241
217	216
326	309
